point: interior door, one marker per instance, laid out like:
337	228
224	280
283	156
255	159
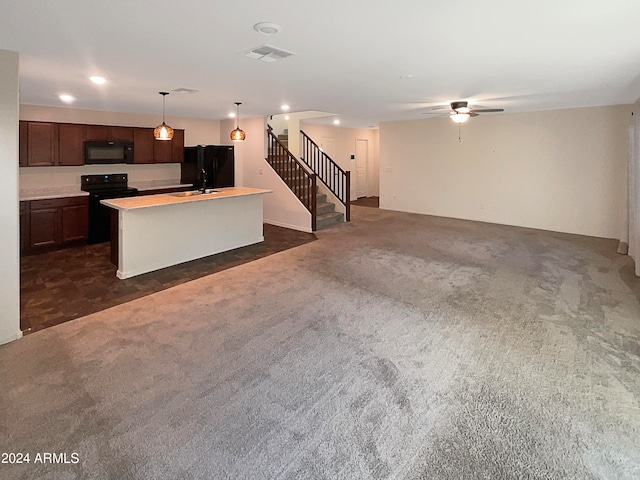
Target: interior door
362	159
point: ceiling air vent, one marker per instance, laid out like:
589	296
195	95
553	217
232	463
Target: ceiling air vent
185	90
268	53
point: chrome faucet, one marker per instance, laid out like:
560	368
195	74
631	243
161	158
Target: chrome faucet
204	181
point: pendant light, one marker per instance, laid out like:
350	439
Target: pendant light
237	135
163	131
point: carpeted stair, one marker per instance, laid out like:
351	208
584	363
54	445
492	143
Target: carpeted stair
327	216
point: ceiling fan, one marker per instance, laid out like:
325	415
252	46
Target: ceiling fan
460	111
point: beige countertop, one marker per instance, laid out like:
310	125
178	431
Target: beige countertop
45	193
164	199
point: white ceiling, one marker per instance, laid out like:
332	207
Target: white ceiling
351	55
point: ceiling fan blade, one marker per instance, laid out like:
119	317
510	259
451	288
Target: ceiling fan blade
488	110
438	109
473	113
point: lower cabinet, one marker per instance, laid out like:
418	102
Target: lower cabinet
53	223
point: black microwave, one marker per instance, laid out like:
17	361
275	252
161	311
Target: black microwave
101	152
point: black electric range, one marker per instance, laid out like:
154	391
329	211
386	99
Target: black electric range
102	187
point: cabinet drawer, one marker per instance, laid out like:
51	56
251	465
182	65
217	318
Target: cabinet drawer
58	202
72	201
42	204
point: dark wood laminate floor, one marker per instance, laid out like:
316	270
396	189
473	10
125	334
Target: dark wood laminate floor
59	286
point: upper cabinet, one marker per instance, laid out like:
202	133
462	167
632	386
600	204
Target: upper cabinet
143	145
50	144
39	144
70	144
178	146
109	133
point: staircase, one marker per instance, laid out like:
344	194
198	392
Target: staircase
302	183
326	215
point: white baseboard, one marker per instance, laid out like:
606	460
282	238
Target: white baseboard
11	338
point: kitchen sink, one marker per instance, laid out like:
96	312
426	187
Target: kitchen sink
192	193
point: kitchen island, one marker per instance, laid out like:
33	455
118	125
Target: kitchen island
157	231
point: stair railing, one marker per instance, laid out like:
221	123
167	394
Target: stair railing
337	180
293	173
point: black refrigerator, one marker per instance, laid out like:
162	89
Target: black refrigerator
216	160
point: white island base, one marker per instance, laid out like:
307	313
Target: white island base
158	231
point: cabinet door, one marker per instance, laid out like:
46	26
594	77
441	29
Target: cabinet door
143	143
25	237
44	226
70	144
178	146
24	141
121	133
42	144
97	132
163	151
75	222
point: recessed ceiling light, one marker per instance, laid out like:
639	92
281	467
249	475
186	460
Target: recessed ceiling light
267	28
336	122
232	115
285	107
98	80
66	98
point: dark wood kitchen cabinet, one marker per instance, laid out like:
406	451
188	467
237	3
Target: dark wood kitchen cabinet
39	144
121	133
71	144
25	231
45	144
169	151
178	146
62	144
23	145
97	132
75	220
109	133
53	223
143	145
44	224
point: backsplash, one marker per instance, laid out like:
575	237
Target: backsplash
53	177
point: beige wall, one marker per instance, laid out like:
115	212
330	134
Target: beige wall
9	231
560	170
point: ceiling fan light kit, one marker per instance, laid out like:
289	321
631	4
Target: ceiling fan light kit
460	111
459	117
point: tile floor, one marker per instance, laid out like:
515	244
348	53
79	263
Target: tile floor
59	286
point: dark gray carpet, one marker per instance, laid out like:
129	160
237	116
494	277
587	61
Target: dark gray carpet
396	346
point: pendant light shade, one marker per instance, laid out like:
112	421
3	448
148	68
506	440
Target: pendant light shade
237	135
163	131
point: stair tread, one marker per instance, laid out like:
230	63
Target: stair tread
324	216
